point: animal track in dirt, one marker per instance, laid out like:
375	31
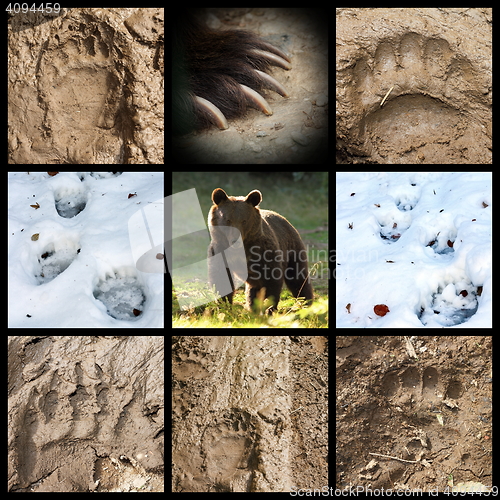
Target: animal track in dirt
424	111
229	450
422	385
79	67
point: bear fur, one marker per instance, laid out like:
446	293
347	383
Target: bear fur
273	250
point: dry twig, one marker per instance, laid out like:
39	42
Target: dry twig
396	458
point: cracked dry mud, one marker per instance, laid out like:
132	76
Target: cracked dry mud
233	428
437	62
85	413
391	404
86	87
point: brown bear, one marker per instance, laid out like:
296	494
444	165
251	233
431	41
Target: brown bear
257	246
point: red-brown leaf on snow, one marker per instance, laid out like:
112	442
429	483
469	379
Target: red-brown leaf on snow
381	309
484	204
348	307
136	312
131	195
450	243
464	293
395	236
52	173
36	207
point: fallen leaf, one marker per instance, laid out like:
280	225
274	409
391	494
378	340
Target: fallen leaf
479	290
351	224
464	293
352	194
131	195
484	204
36	206
52	173
381	309
136	312
348	307
450	243
394	225
35	237
377	205
395	236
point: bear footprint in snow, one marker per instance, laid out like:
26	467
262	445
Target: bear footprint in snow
428	87
451	305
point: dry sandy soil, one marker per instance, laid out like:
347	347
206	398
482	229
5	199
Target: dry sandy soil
434	65
425	401
249	413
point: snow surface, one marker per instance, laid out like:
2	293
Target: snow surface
420	243
71	261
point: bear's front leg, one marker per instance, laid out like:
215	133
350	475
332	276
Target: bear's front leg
219	275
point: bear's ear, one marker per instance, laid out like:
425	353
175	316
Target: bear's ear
254	198
218	196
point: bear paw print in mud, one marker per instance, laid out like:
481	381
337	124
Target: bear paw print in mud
415	96
413	385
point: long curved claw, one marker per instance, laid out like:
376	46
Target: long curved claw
274	59
213	113
256	100
275	50
272	83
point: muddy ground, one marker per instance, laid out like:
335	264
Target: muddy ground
249	413
434	65
85	414
297	132
431	409
85	86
